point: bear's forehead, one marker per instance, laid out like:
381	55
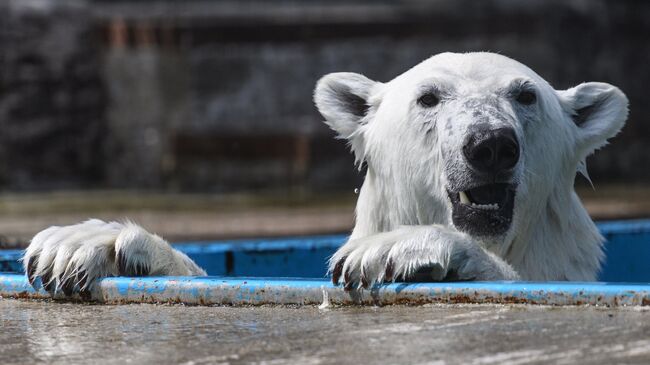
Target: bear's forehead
478	70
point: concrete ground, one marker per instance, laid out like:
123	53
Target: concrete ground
65	333
186	217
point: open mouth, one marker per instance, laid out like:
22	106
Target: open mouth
486	197
484	210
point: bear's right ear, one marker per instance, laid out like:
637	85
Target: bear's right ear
342	98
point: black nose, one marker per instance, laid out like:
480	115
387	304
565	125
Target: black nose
492	151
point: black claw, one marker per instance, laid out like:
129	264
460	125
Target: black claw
121	264
135	269
349	285
347	277
47	284
364	282
81	278
388	274
68	286
32	263
338	268
140	269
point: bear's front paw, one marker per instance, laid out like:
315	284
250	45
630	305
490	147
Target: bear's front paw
360	267
363	273
416	253
70	258
406	254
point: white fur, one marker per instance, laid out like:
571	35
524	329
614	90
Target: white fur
410	248
403	211
86	251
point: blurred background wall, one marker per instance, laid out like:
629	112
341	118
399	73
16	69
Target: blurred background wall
216	96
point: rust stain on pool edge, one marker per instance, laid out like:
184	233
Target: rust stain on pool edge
452	299
254	292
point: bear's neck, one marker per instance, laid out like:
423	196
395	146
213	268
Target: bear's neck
384	205
562	226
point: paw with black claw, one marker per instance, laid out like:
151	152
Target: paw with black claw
70	259
415	253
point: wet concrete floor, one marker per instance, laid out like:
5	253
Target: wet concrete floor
68	333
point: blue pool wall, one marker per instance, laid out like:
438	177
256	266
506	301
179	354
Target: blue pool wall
627	254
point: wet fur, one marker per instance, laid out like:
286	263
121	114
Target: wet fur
412	154
404	225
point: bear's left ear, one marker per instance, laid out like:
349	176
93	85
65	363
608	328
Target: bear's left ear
343	99
599	110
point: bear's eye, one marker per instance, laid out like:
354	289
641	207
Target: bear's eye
428	100
526	97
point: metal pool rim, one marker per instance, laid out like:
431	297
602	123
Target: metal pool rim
279	291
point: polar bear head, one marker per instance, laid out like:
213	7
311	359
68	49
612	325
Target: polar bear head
476	141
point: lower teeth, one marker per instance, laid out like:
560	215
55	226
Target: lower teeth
465	200
486	206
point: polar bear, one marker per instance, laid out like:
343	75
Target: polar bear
471	160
